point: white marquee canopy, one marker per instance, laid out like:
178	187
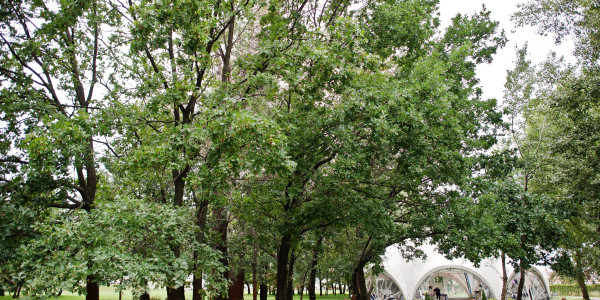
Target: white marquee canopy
457	278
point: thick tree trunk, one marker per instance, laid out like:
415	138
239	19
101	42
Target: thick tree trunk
176	293
359	285
504	278
282	267
264	291
145	296
236	289
92	290
521	280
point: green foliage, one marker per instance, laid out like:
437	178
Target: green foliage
125	240
573	289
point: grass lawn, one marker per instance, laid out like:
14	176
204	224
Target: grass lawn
109	293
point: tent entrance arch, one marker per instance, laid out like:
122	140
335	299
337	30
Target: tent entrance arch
533	289
454	283
385	288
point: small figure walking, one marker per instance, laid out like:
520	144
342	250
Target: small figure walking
438	293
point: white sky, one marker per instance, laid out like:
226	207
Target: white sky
493	75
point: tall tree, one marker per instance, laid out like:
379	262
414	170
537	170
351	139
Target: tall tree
51	67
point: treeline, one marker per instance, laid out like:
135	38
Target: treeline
224	142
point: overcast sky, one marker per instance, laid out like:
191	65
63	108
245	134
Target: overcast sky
493	75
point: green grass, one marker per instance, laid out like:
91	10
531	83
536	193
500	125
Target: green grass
109	293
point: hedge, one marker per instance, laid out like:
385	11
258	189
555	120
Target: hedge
572	289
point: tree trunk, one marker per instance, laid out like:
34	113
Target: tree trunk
236	289
290	286
254	267
521	280
222	224
320	287
504	277
580	276
313	270
282	267
201	215
92	290
145	296
359	285
248	286
177	293
196	286
17	292
263	291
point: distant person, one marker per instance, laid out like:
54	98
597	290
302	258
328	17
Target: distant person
438	293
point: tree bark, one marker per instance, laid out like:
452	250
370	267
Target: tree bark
282	267
504	277
176	293
92	290
521	280
359	285
236	289
145	296
264	291
290	285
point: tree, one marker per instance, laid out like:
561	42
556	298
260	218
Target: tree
51	66
379	130
190	100
135	248
574	103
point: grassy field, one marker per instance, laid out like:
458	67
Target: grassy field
108	293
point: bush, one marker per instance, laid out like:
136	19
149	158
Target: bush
572	289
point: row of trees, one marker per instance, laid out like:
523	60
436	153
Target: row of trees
144	142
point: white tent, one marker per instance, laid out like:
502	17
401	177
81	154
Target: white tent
457	278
